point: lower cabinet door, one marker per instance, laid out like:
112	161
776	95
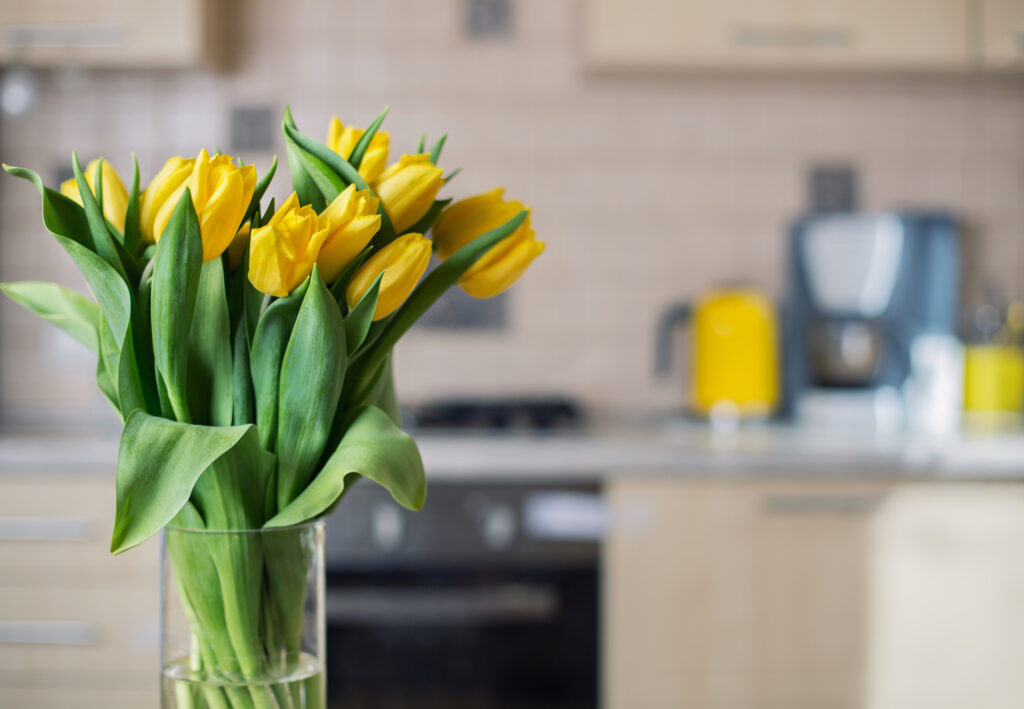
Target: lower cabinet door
811	594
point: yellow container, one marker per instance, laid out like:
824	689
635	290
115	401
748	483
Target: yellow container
993	378
735	361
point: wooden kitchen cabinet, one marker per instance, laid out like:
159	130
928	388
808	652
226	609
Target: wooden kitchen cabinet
78	627
1002	34
809	594
762	34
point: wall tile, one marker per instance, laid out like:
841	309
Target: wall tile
647	189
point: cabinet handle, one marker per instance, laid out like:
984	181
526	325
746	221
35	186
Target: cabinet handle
506	603
47	529
823	504
792	36
48	632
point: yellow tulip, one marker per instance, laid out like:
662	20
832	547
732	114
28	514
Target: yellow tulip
342	139
407	189
402	262
501	265
159	192
115	196
352	220
221	193
282	253
465	220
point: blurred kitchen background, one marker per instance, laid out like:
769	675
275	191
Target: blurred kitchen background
838	185
650	183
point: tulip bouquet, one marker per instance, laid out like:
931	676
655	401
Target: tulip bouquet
247	349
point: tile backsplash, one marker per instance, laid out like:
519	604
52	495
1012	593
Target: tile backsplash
647	189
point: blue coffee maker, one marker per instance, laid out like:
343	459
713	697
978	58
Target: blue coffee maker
870	319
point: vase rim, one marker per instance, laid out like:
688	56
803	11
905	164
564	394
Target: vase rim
318	522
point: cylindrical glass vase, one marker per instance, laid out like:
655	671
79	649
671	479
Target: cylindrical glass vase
243	619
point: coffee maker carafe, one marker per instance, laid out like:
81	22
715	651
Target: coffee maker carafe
871	318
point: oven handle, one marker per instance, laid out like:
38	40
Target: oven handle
502	603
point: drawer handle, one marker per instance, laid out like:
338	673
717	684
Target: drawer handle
48	632
47	529
831	504
792	36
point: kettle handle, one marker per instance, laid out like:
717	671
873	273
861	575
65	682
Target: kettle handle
674	315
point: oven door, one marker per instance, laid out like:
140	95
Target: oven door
514	627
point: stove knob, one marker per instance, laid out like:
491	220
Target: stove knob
387	526
498	526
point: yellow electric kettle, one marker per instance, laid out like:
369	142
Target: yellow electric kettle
734	358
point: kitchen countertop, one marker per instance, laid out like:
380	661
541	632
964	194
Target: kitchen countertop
656	446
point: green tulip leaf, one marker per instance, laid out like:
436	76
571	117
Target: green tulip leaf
94	215
268	345
372	447
312	373
359	319
383	394
106	384
324	178
243	408
261	189
106	373
174	291
210	372
132	392
422	144
132	233
73	313
158	464
66	220
355	158
305	189
269	213
448	178
62	216
435	151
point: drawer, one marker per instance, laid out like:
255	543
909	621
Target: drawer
91	698
55	530
77	631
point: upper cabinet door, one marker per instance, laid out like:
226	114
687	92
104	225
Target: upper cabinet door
1002	34
798	34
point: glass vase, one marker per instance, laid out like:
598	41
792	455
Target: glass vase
242	619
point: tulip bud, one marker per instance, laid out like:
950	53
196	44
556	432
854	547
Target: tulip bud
115	196
465	220
282	253
342	139
402	262
407	189
161	189
501	265
221	193
351	220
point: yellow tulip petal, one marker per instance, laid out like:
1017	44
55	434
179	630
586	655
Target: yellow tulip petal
221	214
167	182
407	189
499	275
403	262
282	253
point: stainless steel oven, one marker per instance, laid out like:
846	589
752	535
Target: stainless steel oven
486	599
